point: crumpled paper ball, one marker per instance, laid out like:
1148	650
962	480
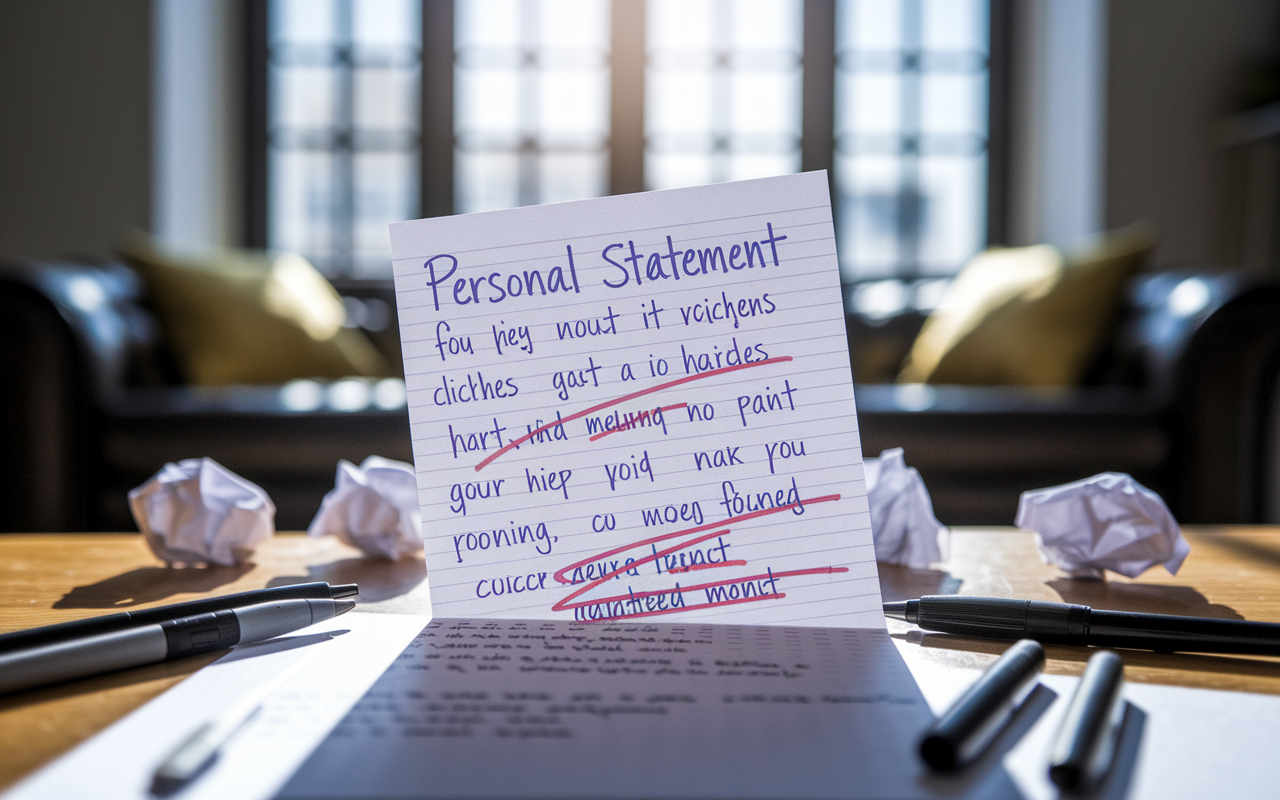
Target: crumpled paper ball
373	507
903	526
1109	521
198	511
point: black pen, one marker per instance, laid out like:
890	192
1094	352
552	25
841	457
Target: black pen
1066	623
163	641
63	631
1085	746
973	721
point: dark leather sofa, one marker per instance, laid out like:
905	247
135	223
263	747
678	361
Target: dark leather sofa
92	405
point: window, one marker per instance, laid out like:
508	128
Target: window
911	142
722	89
532	102
342	129
516	106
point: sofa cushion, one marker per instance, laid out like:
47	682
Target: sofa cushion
243	317
1027	316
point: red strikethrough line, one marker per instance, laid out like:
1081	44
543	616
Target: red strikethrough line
778	596
565	605
826	498
694	567
626	397
631	427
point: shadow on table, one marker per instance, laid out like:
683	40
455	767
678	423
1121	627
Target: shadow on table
150	584
168	672
379	578
1116	785
907	583
1148	598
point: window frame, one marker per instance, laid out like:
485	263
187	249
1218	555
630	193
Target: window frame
626	140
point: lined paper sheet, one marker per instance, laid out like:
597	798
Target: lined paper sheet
638	407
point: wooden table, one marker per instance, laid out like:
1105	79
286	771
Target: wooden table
46	578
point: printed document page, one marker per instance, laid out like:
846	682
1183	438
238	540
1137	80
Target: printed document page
636	709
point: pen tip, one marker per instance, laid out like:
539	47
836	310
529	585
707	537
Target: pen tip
340	590
342	606
896	610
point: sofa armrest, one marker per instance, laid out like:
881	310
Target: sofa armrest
73	336
1225	394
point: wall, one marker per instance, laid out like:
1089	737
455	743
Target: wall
75	125
198	126
1174	72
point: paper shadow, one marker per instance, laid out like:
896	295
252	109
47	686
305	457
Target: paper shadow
150	584
907	583
1116	785
963	782
279	645
379	578
1147	598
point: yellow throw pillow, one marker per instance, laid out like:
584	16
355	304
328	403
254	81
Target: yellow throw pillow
249	317
1027	316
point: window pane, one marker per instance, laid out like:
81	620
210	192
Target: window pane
385	191
672	170
766	102
305	97
344	119
685	104
531	101
954	103
486	23
572	176
574	105
386	23
722	90
574	24
952	229
487	181
870	25
302	203
302	22
959	25
386	98
911	130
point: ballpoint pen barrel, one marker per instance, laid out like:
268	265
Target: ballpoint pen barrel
64	661
80	628
1170	633
1085	744
147	644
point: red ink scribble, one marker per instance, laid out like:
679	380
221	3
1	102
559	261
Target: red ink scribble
659	554
559	576
511	445
692	567
631	425
778	596
565	605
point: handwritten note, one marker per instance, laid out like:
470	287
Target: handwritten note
638	406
